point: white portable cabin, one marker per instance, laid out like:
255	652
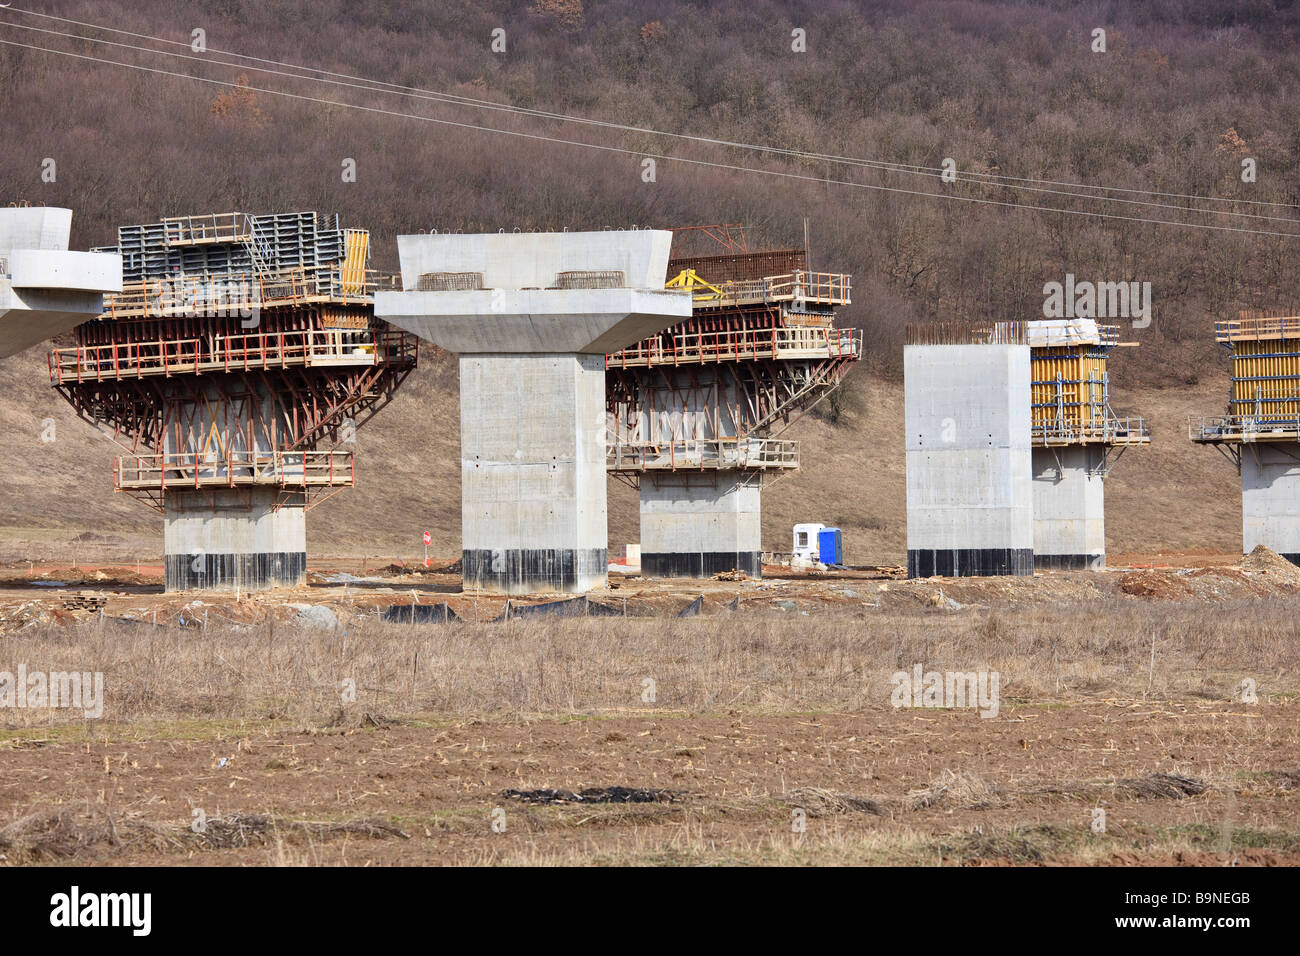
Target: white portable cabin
806	547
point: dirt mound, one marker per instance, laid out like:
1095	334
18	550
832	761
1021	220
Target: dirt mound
436	566
1265	560
107	577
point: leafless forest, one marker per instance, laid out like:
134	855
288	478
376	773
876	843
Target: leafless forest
1183	93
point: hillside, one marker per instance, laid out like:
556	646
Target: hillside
1183	94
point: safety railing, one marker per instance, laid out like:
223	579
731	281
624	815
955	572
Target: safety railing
1107	431
687	348
280	469
1209	429
215	227
256	350
1248	327
201	296
719	454
823	288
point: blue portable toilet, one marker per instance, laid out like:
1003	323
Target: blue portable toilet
830	546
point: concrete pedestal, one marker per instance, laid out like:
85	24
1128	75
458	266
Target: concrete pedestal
1069	508
233	539
533	486
969	466
697	525
1270	498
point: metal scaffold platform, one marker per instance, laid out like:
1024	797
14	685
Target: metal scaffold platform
1070	389
1264	403
695	412
760	348
1260	432
233	367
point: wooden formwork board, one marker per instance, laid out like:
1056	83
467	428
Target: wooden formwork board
1069	387
1266	378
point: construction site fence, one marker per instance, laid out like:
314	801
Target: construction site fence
703	454
732	345
255	350
281	469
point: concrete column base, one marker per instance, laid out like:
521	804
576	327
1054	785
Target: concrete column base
696	526
1069	508
969	562
535	570
1270	498
233	540
533	485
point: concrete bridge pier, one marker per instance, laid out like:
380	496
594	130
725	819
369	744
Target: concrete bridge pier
969	462
1070	508
44	288
1270	498
233	539
532	317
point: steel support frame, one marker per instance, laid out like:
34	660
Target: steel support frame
309	404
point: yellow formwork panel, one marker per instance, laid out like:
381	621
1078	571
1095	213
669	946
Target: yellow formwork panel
356	246
1266	378
1069	387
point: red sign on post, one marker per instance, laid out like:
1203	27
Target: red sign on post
427	539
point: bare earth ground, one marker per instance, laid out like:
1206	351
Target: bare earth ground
1120	691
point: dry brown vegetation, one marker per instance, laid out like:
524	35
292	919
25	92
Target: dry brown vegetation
753	720
1121	693
759	662
1004	87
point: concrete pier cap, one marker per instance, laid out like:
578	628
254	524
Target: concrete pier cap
44	288
521	302
532	317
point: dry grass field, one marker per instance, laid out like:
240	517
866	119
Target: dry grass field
767	735
1148	714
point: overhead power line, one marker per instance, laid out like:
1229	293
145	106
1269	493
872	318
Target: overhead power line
643	154
438	96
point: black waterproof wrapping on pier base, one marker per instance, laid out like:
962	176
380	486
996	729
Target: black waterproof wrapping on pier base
969	562
700	564
1069	562
228	572
537	570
